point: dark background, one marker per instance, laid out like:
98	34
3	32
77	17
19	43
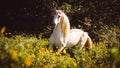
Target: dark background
24	15
36	16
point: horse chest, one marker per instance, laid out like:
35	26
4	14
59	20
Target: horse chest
56	37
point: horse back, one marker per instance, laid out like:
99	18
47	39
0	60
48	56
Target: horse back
74	37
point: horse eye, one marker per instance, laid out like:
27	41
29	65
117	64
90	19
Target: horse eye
58	16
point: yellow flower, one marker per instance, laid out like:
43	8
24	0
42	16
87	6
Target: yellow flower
101	65
43	54
27	61
20	39
3	30
51	51
75	65
43	49
9	33
51	66
47	51
28	45
45	66
33	55
53	58
83	59
13	54
40	51
44	60
70	58
59	50
64	51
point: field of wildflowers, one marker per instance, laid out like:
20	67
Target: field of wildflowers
28	51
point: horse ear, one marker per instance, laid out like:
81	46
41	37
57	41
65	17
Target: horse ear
62	11
57	10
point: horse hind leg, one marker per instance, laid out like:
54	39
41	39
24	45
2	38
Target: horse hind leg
82	40
81	43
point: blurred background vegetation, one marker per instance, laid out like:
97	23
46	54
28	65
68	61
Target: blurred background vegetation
98	18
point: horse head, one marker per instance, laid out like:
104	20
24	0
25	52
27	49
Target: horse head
61	17
57	17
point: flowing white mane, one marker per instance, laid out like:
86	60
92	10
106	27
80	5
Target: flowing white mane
63	36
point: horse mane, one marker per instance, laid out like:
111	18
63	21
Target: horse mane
65	25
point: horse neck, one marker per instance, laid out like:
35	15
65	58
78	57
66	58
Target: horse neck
65	25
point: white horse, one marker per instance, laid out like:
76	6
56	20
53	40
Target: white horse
63	36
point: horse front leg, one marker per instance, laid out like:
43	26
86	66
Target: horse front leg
60	50
50	46
61	47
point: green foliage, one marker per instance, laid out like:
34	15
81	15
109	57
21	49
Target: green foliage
21	51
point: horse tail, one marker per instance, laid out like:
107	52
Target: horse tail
88	43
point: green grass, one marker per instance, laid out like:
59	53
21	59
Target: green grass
22	51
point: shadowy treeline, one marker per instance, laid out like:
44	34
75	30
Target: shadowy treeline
36	16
